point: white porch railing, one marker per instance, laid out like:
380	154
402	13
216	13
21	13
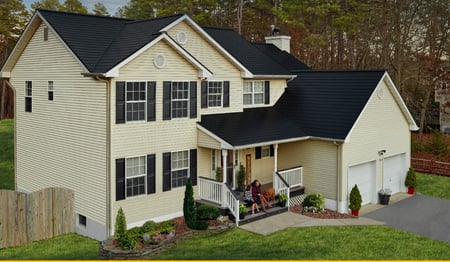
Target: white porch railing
232	203
292	176
210	190
281	186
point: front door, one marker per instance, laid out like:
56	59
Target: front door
248	169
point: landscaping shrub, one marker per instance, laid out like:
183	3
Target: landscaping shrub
314	203
127	241
411	180
120	228
438	145
205	212
135	232
149	226
189	212
166	227
199	225
355	198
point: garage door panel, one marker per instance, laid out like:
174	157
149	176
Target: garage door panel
363	175
394	170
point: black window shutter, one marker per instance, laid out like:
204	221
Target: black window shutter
226	94
204	95
167	100
257	152
120	179
266	92
28	107
151	103
120	102
151	181
193	99
193	166
272	150
167	183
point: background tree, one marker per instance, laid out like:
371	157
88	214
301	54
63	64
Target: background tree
74	6
100	9
48	4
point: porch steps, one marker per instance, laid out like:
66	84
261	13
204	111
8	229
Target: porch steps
274	210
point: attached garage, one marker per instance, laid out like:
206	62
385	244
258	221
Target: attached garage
363	175
394	171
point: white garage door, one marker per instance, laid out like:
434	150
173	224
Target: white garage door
363	175
394	171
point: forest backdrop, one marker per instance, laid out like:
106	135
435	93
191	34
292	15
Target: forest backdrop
409	38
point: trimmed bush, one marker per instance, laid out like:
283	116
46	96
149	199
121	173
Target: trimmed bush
128	241
166	227
135	232
120	227
355	198
316	200
411	180
199	225
206	212
149	226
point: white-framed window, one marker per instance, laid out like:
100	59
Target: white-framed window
135	101
50	90
180	99
253	92
265	151
215	91
28	95
135	172
213	160
180	168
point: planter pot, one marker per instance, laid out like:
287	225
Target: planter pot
384	199
282	204
241	216
355	213
411	190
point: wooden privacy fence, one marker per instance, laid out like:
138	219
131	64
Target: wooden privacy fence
39	215
431	167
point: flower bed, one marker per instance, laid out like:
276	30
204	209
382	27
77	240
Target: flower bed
109	249
326	214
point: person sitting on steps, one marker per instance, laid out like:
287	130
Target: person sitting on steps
258	197
248	198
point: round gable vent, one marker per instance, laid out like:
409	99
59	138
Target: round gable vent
182	37
159	61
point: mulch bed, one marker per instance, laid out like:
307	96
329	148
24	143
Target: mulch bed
327	214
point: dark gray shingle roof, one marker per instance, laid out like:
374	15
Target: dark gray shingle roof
323	104
283	58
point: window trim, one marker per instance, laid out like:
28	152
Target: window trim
187	99
136	102
29	95
265	151
172	169
252	93
208	100
135	176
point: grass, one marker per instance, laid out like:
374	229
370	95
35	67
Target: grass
7	154
349	242
431	185
71	246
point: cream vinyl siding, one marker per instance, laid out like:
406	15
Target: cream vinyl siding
62	143
207	141
382	126
319	161
204	163
262	169
154	137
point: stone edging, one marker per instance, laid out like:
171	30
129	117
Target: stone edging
105	252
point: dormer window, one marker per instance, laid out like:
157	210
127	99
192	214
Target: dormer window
256	93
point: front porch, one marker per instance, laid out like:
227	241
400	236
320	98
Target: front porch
222	195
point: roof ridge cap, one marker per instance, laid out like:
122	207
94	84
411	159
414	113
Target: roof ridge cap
79	14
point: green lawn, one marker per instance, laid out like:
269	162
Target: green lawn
348	242
431	185
363	242
71	246
7	154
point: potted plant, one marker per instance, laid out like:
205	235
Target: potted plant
411	181
219	174
242	211
282	199
355	200
240	178
384	194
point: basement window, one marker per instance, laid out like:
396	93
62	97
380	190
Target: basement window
82	220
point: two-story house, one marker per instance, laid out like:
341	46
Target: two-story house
123	112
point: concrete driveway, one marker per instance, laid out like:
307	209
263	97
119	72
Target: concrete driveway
418	214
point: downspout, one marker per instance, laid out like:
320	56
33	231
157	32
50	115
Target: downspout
108	154
338	164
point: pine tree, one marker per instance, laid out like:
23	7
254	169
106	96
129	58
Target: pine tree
120	228
189	204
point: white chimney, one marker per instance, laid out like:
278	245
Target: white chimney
283	42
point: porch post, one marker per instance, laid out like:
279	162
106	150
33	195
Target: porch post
275	159
224	174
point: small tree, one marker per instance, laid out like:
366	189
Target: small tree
410	180
355	198
120	228
189	211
